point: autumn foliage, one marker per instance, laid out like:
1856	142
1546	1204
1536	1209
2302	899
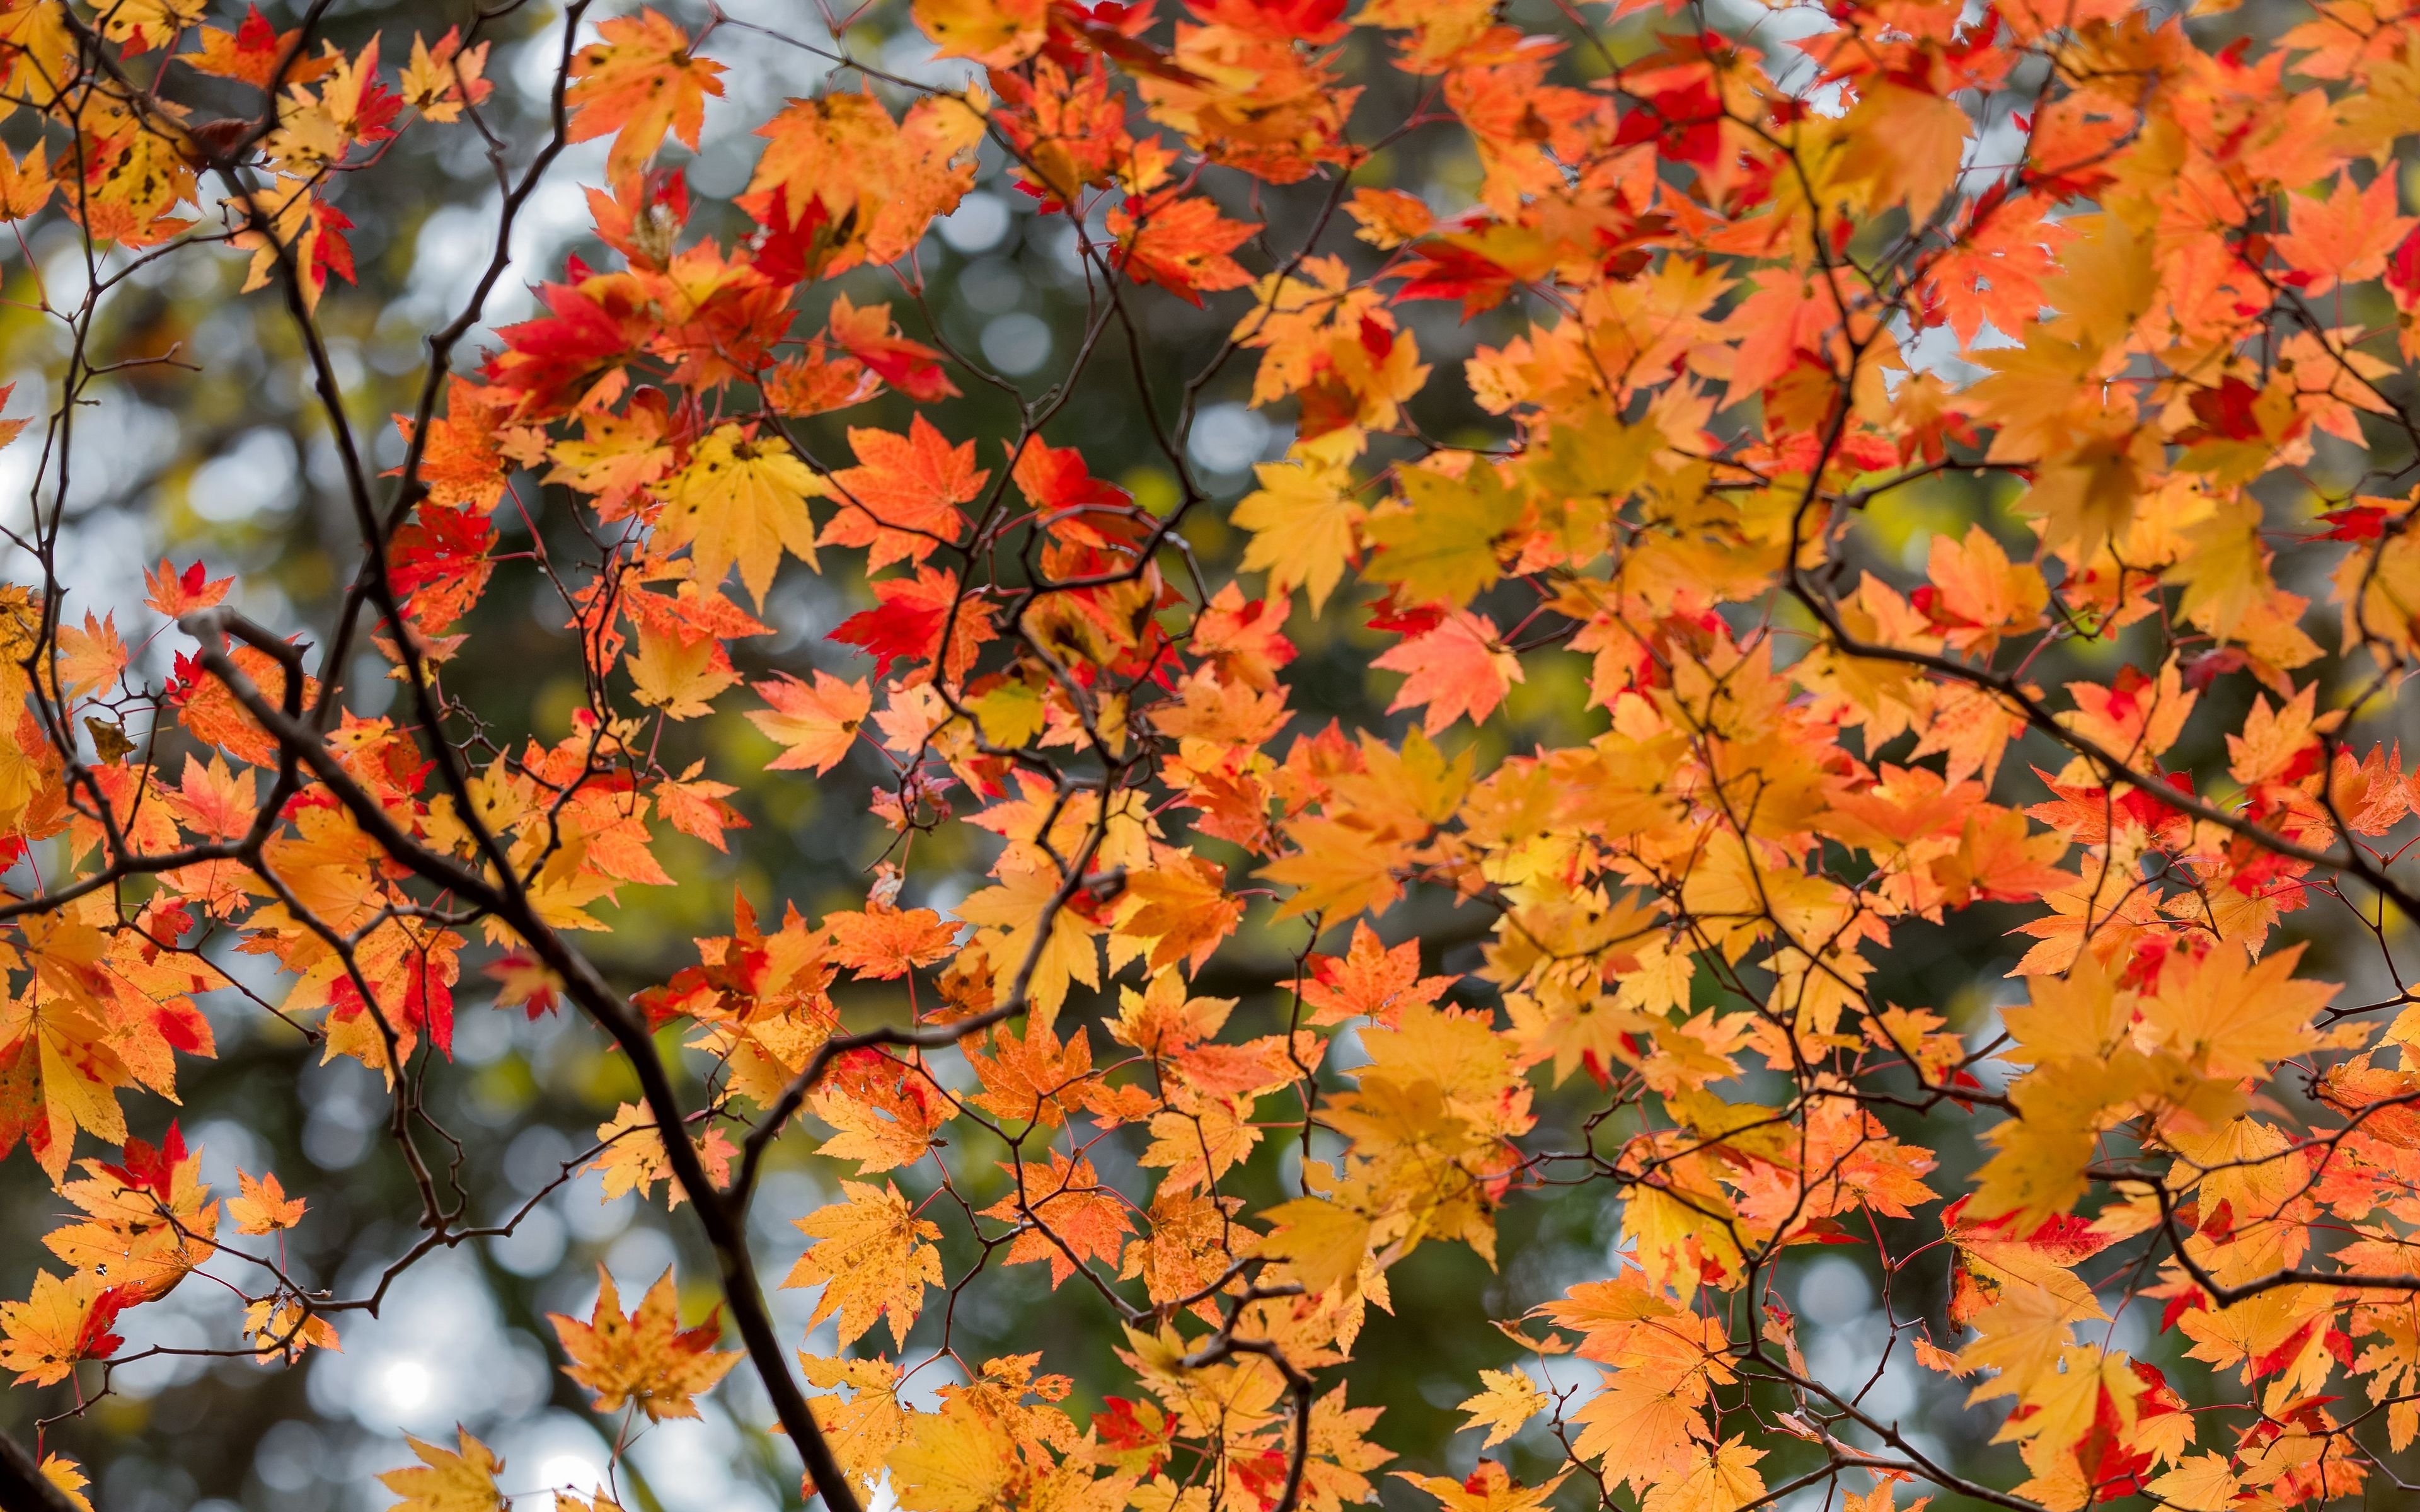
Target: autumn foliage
1927	466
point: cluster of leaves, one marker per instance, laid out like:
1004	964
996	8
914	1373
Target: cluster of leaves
2161	290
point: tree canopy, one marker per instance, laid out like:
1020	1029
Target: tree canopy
1001	755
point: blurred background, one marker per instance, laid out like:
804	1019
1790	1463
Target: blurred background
235	467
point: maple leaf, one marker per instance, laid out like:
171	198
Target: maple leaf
1461	667
1035	1079
1302	518
145	24
873	1258
814	724
447	1480
70	1478
61	1323
1083	1218
1368	980
2231	1016
2279	743
900	500
1024	920
1441	546
634	1158
282	1328
264	1206
1181	244
644	1356
1338	870
884	943
177	593
2203	1483
640	82
253	52
59	1071
912	616
1182	907
1719	1479
868	336
438	82
1324	1243
679	673
25	186
1643	1428
147	1220
209	711
1388	218
1489	1489
1977	594
742	500
1510	1399
958	1460
90	658
1199	1146
2343	238
998	34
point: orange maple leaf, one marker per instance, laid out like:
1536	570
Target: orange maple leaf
1461	667
901	500
1181	244
640	82
644	1356
814	724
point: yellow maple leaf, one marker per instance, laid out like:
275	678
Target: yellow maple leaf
1198	1148
70	1478
1440	546
2203	1483
957	1459
680	674
2224	567
25	184
446	1480
1719	1480
1338	870
1489	1489
144	24
1510	1399
875	1260
2232	1017
2021	1336
1323	1241
1896	145
866	1425
283	1328
1181	906
741	500
65	1057
1015	914
2075	1017
644	1356
1301	518
998	34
